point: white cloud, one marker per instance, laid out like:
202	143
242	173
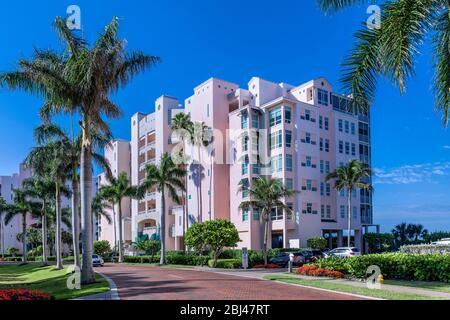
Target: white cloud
408	174
446	147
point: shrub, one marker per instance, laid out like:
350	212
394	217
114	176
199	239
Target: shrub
317	243
402	266
379	242
225	263
12	251
102	248
172	257
334	264
22	294
266	266
312	270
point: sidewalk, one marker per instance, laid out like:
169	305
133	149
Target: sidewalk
260	274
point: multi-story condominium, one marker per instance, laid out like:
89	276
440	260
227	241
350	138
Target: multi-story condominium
297	134
7	186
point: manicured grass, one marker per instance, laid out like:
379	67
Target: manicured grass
382	293
47	279
435	286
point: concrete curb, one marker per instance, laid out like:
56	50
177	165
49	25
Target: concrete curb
114	293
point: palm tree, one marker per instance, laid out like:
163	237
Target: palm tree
265	195
22	206
80	81
116	190
400	233
183	126
72	149
390	51
3	208
167	178
201	139
349	178
42	188
416	231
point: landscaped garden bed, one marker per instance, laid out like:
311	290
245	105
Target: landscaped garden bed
22	294
312	270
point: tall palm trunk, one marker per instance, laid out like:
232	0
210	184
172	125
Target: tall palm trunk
163	228
114	226
349	211
2	238
75	223
24	238
266	235
87	272
120	233
200	167
58	243
44	233
186	214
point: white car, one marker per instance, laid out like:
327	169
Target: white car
442	242
343	252
97	261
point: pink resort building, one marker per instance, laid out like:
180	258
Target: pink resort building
294	133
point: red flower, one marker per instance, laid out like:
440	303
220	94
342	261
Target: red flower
22	294
310	270
266	266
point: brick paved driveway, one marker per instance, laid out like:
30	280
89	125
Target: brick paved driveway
154	283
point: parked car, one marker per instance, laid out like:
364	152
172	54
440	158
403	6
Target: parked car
343	252
442	242
282	259
313	255
97	261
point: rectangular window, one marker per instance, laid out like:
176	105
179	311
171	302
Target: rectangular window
245	192
245	166
342	211
347	126
287	115
355	212
289	162
308	184
322	211
255	169
276	214
275	117
327	145
255	121
277	163
288	139
322	189
321	166
328	212
307	114
244	120
289	214
308	137
289	184
320	122
326	123
347	148
245	215
245	143
327	167
308	161
341	147
353	149
327	189
352	127
256	214
321	144
276	140
322	96
340	125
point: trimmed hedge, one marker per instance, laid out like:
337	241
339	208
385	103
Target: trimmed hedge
172	257
226	263
402	266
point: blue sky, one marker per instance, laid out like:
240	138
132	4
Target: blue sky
289	41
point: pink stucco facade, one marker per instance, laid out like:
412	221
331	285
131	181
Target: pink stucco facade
300	132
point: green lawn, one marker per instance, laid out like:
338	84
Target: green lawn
435	286
34	277
383	294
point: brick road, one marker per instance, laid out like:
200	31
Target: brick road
154	283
